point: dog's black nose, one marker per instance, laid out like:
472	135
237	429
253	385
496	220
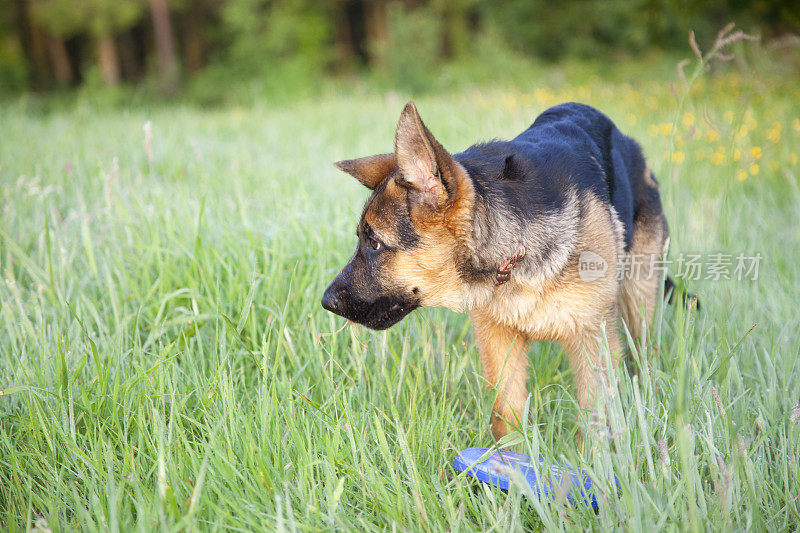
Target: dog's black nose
331	301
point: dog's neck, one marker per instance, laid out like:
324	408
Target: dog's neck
503	247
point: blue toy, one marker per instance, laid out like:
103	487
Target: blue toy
560	478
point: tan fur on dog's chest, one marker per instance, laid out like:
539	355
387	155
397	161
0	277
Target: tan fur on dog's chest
543	314
550	308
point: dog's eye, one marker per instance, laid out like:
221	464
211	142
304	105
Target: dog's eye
374	243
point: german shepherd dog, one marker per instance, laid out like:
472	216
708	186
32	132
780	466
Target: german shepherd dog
533	236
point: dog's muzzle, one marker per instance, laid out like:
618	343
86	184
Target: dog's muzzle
380	313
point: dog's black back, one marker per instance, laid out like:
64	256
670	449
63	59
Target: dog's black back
569	148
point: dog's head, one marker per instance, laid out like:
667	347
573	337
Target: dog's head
412	227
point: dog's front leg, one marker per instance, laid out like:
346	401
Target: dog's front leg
587	365
504	354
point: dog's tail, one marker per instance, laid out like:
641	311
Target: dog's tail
687	299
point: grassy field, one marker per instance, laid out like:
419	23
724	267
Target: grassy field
165	362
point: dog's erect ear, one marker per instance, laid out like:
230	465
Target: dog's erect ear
370	171
424	163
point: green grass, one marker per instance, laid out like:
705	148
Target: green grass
165	362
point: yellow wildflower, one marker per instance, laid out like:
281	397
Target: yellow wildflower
741	175
541	95
510	101
756	152
793	158
737	154
677	157
754	169
728	116
718	158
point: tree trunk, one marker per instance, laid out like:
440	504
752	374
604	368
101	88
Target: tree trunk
193	47
343	48
130	65
455	34
377	31
165	49
34	46
60	59
109	60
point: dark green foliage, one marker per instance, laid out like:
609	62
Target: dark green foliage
597	28
412	52
268	37
13	67
272	49
235	50
97	17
